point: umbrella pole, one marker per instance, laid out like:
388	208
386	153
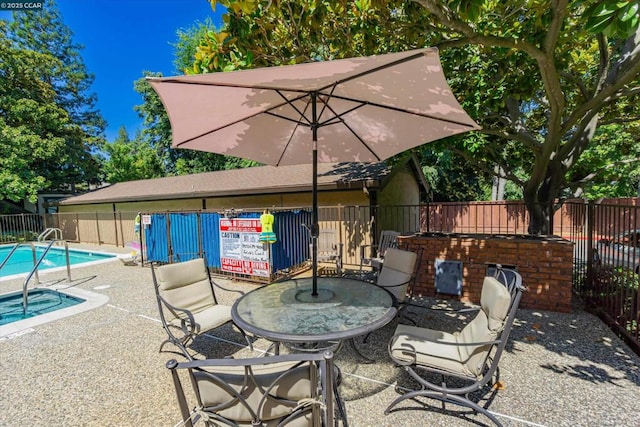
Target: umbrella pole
314	203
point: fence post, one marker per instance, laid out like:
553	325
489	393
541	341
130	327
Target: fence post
590	219
98	227
428	216
200	239
115	223
168	231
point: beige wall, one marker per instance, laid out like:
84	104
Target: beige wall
285	200
98	223
402	190
327	198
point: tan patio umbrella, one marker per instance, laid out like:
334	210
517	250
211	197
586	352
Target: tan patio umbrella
348	110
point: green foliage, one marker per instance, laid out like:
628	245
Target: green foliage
186	46
50	111
129	160
613	18
539	76
619	176
33	127
449	178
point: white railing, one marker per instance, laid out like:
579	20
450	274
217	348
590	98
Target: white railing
57	234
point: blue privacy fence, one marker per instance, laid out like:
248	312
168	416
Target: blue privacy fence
180	236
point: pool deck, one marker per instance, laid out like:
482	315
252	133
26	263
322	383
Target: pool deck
102	366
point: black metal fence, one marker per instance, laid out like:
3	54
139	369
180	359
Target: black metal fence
606	239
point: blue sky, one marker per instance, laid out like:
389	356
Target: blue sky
123	38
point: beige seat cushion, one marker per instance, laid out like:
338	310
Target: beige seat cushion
209	318
295	385
467	360
495	301
186	285
428	350
397	269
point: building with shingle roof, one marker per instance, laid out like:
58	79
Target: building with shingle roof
260	187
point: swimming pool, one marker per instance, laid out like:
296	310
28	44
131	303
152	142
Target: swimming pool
41	301
64	301
21	262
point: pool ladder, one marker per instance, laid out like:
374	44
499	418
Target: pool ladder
36	264
57	234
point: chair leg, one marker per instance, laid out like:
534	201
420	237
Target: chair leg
247	339
444	398
181	346
342	411
402	315
366	359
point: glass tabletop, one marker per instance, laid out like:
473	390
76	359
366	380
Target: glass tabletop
286	311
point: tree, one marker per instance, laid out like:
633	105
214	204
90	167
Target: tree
33	127
540	77
157	129
129	160
44	31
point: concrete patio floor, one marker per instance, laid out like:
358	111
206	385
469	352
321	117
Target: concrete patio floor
102	367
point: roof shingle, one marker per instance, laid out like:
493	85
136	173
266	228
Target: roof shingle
255	180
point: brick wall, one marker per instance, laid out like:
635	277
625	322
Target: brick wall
545	265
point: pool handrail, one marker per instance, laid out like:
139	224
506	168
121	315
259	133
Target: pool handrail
57	234
25	294
15	248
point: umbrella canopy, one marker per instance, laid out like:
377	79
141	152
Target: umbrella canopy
362	109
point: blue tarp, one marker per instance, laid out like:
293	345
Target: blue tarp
184	236
155	235
194	233
292	247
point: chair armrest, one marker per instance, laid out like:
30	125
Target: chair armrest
187	329
448	310
362	249
414	352
215	284
396	285
418	338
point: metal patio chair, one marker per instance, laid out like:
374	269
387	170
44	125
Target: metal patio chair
187	302
288	390
330	248
375	257
471	355
398	277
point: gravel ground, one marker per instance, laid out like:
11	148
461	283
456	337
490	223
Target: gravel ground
102	367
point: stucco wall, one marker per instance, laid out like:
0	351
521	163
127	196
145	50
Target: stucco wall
401	190
328	198
284	200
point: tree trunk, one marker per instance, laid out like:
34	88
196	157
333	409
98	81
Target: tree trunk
497	189
539	198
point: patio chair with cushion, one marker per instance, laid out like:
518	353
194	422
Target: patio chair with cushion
187	302
398	277
470	356
288	390
373	255
330	248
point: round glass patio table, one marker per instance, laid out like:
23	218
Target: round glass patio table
286	311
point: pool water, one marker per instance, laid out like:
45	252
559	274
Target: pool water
41	301
21	262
